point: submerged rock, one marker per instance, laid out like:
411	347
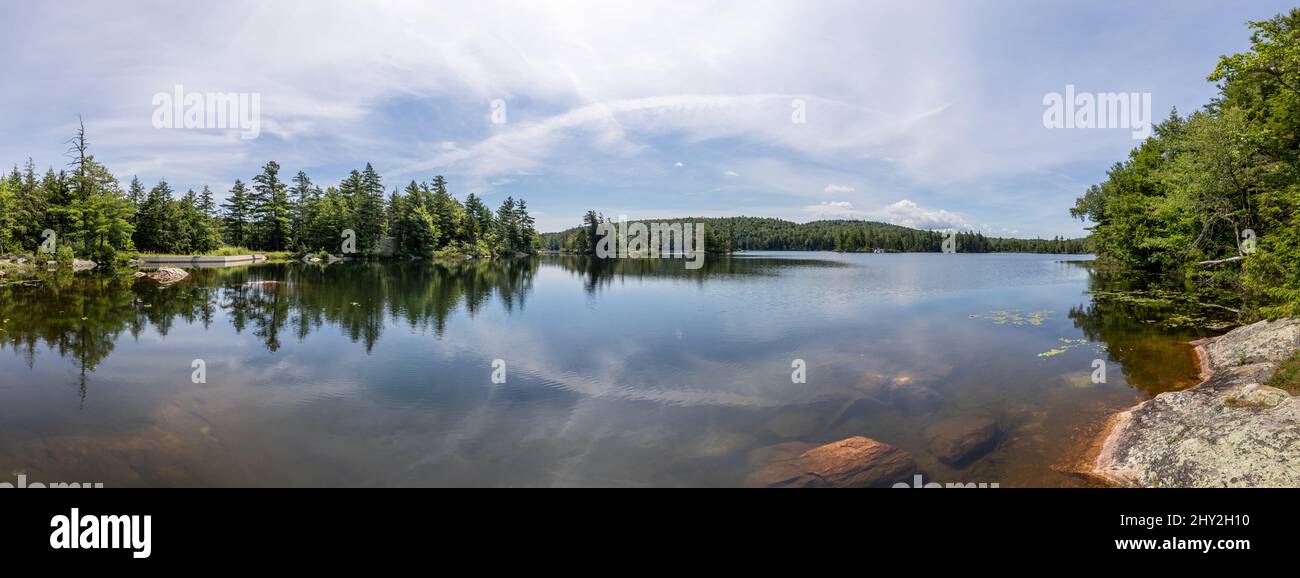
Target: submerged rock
913	398
855	462
1229	430
960	441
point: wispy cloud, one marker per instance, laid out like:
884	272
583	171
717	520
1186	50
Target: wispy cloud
929	101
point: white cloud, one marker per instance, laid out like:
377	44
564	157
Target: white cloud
909	214
904	212
731	174
939	98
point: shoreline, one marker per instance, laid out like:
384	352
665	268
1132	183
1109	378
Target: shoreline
1225	431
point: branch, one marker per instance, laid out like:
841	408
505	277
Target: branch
1220	261
1238	311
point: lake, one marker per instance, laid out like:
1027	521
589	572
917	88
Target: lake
568	371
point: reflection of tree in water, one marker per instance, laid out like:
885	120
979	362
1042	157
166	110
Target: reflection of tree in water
82	316
1146	324
598	273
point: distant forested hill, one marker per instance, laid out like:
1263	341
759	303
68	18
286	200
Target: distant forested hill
767	234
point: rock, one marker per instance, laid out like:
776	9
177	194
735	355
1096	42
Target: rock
1263	342
860	407
722	445
766	455
793	424
138	274
960	441
912	398
1229	430
855	462
168	275
22	261
1257	395
83	265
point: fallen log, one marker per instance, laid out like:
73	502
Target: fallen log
1220	261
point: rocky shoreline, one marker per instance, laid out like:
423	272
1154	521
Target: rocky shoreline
1230	430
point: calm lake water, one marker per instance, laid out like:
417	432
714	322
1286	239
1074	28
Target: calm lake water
617	373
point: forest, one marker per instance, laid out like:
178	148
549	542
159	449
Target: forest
1213	196
728	234
92	216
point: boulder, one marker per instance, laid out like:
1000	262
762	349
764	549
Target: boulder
1228	431
168	275
855	462
912	398
960	441
1263	342
83	265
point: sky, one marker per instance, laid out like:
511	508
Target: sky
920	113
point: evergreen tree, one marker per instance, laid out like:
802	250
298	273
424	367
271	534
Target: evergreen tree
8	197
477	225
238	212
156	223
271	210
300	195
369	217
136	192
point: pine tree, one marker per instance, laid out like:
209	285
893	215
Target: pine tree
478	220
238	211
136	192
299	197
156	223
271	209
528	240
369	217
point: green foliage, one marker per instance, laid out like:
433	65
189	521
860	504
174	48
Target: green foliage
1288	375
272	220
728	234
64	255
1221	184
157	222
238	211
92	216
8	198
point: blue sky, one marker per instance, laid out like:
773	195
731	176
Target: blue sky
920	113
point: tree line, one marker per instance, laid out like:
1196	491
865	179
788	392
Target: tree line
92	216
727	234
1215	196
